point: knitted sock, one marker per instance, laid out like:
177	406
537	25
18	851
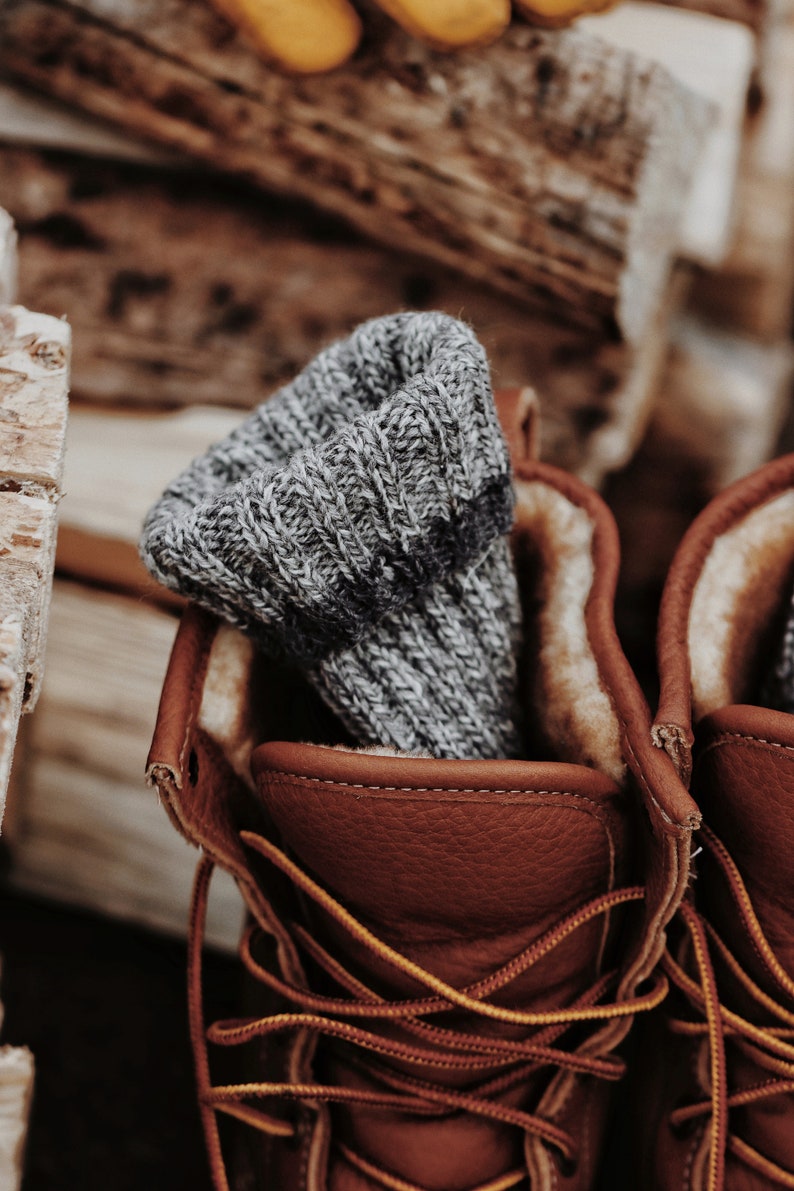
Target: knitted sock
353	524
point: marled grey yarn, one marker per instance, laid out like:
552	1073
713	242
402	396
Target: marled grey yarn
354	524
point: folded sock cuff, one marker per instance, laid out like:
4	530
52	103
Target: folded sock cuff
379	471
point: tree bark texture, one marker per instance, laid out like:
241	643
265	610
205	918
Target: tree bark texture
34	353
549	166
181	290
33	388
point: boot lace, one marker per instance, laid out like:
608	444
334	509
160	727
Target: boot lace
345	1019
770	1047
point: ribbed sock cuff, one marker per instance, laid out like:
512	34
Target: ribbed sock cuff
343	508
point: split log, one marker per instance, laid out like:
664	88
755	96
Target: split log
16	1090
548	165
13	667
89	832
715	59
753	292
8	259
682	43
27	553
27	118
721	406
33	372
752	13
723	401
613	441
33	388
34	352
34	363
117	466
182	290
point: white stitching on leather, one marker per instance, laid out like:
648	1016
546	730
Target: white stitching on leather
329	781
723	736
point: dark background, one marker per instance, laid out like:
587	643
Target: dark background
103	1008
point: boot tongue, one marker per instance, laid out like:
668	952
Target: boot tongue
744	784
458	865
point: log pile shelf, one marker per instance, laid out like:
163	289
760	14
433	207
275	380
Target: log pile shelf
550	166
34	365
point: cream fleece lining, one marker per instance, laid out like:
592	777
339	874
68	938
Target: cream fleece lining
742	584
226	713
566	695
573	706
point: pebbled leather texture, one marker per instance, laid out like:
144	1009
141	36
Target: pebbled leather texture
458	867
745	780
743	897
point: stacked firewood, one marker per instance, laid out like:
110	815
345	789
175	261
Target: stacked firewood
726	389
34	352
584	198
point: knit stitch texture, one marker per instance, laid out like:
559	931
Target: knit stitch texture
354	525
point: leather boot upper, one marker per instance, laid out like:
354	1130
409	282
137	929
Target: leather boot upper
458	869
726	1116
444	955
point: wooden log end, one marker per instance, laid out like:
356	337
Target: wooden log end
13	668
34	379
17	1070
547	165
8	259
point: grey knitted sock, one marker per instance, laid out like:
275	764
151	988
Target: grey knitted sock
353	524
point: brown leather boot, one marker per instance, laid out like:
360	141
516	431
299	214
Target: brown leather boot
720	1084
445	954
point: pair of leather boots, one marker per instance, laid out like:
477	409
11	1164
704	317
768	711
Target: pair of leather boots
564	974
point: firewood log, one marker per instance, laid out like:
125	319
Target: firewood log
34	352
182	291
753	13
16	1088
715	58
752	293
88	831
549	165
8	259
33	388
721	405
